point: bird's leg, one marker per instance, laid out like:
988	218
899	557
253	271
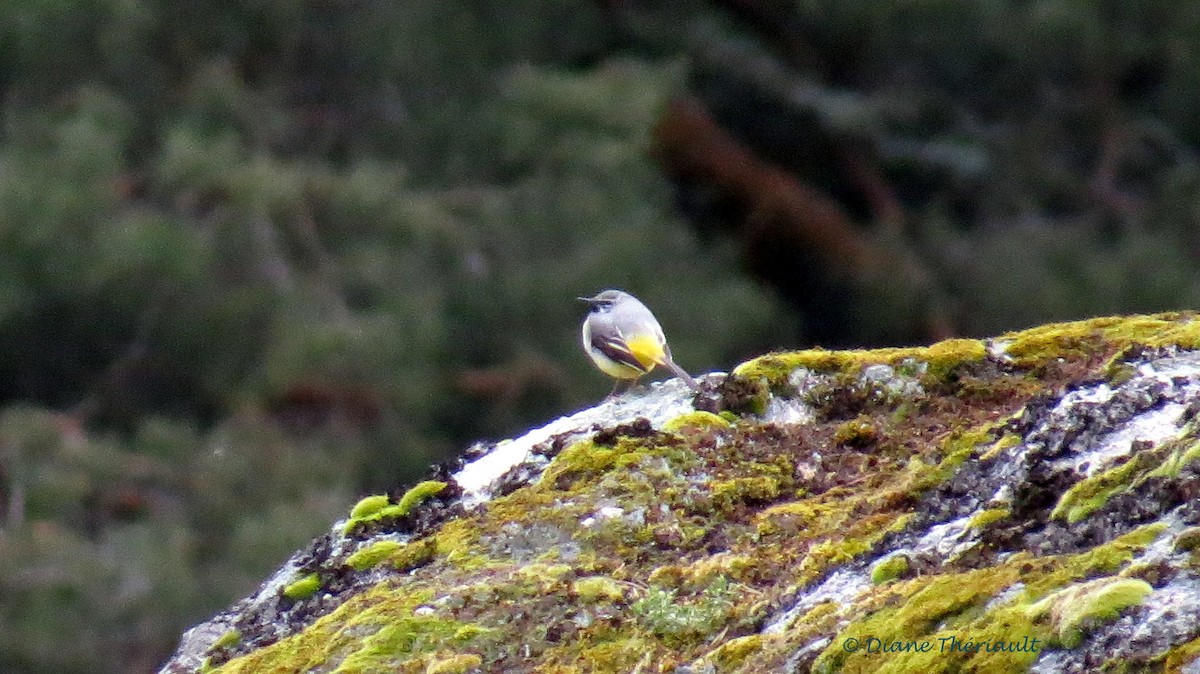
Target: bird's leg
620	387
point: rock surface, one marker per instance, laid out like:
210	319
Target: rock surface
1026	503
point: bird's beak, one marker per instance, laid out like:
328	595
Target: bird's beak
589	300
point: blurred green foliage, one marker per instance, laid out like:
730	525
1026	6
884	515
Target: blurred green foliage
260	257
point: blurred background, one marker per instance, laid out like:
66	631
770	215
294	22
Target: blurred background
261	257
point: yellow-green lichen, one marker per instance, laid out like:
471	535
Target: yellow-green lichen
728	493
693	514
375	508
705	571
889	569
1093	492
696	421
983	518
734	652
1180	455
471	632
991	636
1045	343
1187	540
948	354
595	589
458	543
940	358
1007	440
858	432
371	555
831	553
578	464
789	519
303	588
380	629
543	577
1106	559
455	664
938	601
413	554
418	495
1075	610
668	576
400	556
229	638
369	506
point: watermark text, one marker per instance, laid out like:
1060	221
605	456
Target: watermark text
950	644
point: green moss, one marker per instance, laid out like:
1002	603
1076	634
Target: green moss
577	465
1179	455
858	432
728	493
744	396
371	555
1108	558
1181	329
413	554
889	569
1119	372
614	651
457	541
941	600
1075	610
734	652
400	636
470	632
829	553
661	613
596	589
1093	492
940	609
945	356
668	576
1006	441
418	495
369	506
696	421
702	546
1187	540
376	508
1155	573
941	358
229	638
375	631
1029	348
455	664
580	460
986	517
303	588
789	519
547	576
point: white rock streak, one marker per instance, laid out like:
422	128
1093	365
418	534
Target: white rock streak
659	403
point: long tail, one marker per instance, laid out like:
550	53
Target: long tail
682	374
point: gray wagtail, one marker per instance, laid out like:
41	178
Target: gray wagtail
625	341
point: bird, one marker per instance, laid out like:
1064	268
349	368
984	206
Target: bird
625	341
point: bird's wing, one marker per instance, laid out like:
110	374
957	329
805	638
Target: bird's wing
618	349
